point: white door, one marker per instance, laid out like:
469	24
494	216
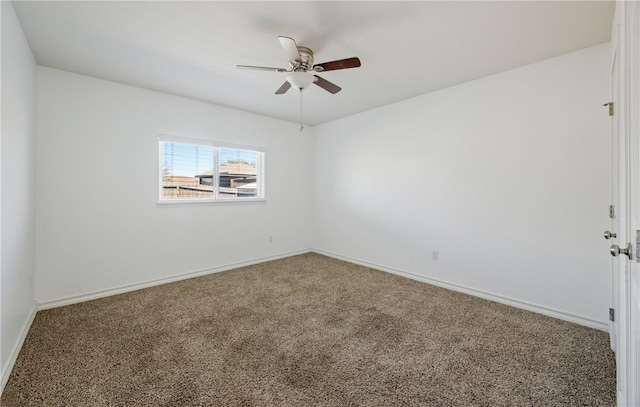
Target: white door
632	14
614	209
619	231
625	92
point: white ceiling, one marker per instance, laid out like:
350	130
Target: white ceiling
406	48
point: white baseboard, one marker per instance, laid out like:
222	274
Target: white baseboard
8	366
151	283
540	309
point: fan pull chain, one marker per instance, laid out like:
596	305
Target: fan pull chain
301	116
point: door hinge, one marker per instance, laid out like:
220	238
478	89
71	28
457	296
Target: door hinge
612	211
610	104
612	314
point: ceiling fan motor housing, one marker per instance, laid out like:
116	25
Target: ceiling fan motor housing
306	60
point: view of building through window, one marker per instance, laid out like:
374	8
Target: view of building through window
189	171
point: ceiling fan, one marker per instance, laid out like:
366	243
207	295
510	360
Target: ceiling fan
301	65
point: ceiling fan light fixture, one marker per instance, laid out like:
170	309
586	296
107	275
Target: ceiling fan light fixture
300	80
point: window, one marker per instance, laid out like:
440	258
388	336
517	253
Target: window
202	170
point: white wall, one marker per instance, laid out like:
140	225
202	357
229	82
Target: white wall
99	226
507	177
17	189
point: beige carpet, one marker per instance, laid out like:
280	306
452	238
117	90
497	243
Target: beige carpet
307	331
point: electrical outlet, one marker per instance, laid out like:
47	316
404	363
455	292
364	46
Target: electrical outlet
434	255
270	239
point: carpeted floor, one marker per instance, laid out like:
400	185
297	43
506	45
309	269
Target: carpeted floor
307	331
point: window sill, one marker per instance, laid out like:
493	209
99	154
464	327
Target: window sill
204	202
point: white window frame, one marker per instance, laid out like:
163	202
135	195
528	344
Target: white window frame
217	145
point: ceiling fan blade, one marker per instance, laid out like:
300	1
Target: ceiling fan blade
290	48
284	88
326	85
346	63
262	68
